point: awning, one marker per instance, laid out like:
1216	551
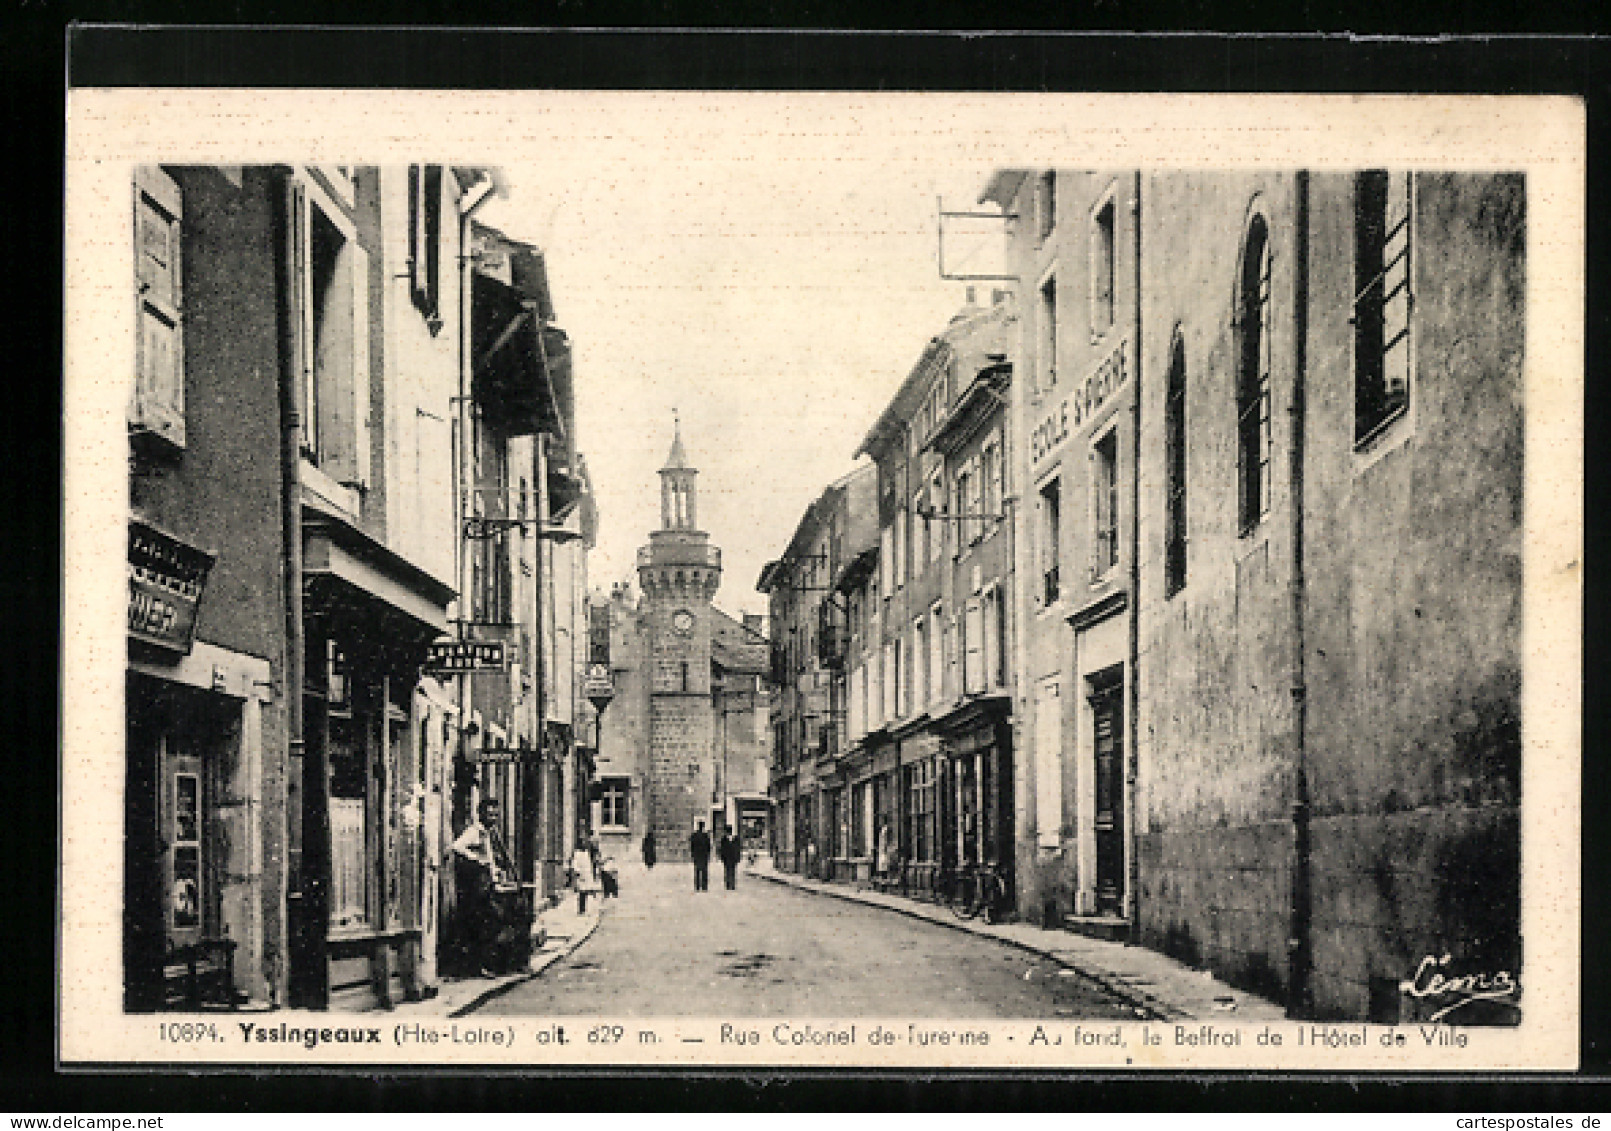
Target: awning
517	357
346	571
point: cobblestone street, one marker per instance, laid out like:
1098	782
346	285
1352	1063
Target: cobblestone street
765	950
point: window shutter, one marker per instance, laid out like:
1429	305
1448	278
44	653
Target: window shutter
360	365
1396	291
301	302
973	646
158	405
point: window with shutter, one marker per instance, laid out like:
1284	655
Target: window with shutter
973	667
1383	299
425	241
331	302
158	405
1102	269
1105	484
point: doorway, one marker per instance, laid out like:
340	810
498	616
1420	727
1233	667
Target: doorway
1107	728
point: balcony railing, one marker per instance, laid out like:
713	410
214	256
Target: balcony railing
680	554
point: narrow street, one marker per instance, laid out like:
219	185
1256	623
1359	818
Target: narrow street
765	950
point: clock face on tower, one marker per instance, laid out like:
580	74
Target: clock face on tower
682	622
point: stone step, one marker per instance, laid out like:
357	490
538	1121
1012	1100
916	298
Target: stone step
1109	928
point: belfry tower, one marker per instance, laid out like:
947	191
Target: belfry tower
678	572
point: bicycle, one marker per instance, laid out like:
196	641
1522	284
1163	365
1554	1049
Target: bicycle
973	892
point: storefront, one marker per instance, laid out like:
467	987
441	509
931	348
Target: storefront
356	906
193	933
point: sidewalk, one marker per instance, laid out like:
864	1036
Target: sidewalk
1150	981
559	929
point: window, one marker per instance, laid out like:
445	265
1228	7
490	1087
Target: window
1382	299
1049	541
886	562
901	562
922	534
937	526
894	680
614	799
1048	334
936	665
1102	269
331	299
920	811
1105	508
998	633
993	480
158	405
1046	203
425	241
1175	471
922	659
973	658
1253	378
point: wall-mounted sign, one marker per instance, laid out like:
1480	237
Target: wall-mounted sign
466	656
482	755
1081	403
166	579
599	686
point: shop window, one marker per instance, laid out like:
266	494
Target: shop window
1050	539
1253	430
1382	299
349	798
331	297
158	405
1105	508
1175	471
425	242
1102	269
614	801
920	811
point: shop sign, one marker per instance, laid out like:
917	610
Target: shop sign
447	656
1082	402
599	686
481	755
166	579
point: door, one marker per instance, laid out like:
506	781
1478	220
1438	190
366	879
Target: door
1108	733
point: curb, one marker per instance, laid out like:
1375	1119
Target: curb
1151	1008
540	964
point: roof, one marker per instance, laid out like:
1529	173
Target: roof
737	648
677	458
1003	187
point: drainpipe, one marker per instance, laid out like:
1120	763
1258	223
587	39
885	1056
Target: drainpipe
463	411
1300	997
1132	865
307	933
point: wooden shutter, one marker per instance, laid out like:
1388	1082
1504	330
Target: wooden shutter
973	646
301	302
359	263
158	405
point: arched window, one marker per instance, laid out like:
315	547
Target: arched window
1175	471
1253	442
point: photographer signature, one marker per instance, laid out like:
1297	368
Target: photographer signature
1431	982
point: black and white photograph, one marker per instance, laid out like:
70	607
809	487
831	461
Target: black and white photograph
887	580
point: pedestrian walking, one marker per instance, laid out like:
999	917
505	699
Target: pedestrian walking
648	849
699	849
584	869
730	851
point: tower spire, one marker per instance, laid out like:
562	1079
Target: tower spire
678	497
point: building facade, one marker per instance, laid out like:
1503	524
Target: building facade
679	741
1309	626
810	599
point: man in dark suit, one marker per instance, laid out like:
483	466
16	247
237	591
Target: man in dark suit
699	849
730	852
